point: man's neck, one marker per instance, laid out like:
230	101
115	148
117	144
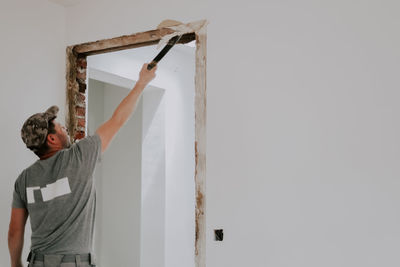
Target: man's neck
49	154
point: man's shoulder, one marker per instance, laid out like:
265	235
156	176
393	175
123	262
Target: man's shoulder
89	139
38	166
90	142
21	177
92	137
27	170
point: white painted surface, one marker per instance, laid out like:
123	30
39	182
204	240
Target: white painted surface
119	182
95	117
32	52
146	202
302	129
66	3
176	75
153	212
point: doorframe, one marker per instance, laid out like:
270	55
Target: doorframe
76	95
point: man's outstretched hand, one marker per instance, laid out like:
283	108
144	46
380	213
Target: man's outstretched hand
125	109
145	75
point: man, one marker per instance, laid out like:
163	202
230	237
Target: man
57	191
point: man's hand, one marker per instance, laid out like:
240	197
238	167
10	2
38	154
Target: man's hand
145	75
125	109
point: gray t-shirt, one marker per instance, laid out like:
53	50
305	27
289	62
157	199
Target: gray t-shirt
59	195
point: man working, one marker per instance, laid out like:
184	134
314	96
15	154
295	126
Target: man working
57	191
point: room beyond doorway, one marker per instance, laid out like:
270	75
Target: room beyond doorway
148	172
76	95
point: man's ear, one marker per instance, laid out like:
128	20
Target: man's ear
51	139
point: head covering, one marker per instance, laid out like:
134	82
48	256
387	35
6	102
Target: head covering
36	127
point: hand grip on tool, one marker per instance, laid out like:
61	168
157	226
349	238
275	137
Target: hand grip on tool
164	51
151	65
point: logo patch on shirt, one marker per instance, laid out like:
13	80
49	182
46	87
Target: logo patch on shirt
51	191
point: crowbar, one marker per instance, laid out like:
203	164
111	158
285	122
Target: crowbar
164	51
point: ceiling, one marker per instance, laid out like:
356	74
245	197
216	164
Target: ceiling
67	3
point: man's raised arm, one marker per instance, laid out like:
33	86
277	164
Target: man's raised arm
125	109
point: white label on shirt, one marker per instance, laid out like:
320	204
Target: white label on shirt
29	193
59	188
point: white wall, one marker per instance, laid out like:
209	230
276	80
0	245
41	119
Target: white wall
123	203
140	217
302	128
32	52
118	180
302	132
153	213
95	117
176	77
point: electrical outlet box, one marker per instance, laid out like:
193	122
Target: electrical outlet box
219	234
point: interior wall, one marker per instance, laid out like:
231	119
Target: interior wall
302	118
32	52
95	117
118	180
176	77
153	213
302	132
152	193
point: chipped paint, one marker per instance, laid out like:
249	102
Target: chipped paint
200	146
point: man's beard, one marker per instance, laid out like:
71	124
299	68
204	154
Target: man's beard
65	141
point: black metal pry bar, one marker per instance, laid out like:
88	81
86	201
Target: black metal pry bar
164	51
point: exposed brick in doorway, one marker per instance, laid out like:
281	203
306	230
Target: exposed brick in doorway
76	94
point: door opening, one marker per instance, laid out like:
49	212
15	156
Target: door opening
77	98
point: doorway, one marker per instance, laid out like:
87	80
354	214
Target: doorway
80	75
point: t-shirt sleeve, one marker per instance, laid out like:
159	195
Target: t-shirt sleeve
18	199
89	149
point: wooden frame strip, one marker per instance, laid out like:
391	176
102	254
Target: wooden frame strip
200	147
128	42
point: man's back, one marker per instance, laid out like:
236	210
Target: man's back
58	191
59	195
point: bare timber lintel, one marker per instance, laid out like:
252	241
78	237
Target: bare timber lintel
127	42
